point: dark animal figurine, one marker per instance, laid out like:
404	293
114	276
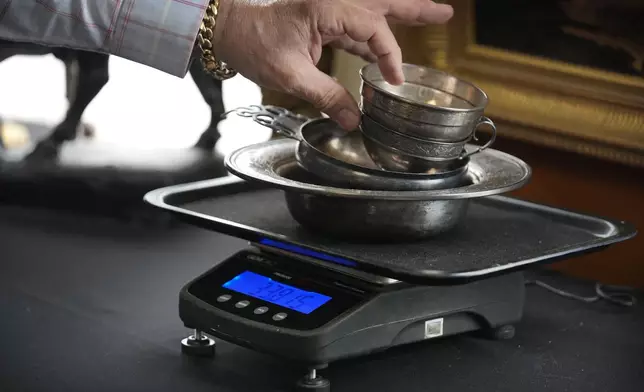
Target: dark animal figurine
86	74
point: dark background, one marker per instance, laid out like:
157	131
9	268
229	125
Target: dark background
535	28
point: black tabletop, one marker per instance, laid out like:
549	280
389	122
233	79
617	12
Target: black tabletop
91	305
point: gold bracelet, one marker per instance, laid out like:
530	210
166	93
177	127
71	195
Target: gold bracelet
215	68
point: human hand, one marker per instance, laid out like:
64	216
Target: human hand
277	43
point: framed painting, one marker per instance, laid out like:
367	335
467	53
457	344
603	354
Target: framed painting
562	73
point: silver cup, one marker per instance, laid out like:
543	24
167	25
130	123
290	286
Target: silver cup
430	104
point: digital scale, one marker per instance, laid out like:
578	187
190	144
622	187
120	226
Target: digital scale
314	300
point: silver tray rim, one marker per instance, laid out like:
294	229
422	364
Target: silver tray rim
493	172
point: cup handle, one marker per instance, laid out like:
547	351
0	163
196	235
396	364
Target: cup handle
280	120
482	121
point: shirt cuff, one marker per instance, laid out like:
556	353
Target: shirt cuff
159	33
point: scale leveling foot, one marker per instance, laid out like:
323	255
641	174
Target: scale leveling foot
313	382
198	345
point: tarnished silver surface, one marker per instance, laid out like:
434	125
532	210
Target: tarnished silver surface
340	158
396	152
438	133
388	158
406	168
375	220
407	145
330	152
490	172
280	120
427	96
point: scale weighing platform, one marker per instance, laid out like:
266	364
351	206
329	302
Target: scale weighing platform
314	300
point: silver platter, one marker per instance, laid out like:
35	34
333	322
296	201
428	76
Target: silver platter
491	172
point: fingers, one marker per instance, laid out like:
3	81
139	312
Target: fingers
308	83
411	11
361	49
372	28
368	35
393	21
434	13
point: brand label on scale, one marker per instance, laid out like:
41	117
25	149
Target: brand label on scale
433	328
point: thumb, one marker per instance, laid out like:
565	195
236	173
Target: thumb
325	93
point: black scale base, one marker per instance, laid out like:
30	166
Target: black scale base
199	345
487	309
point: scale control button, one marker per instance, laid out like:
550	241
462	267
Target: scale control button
224	298
261	310
279	316
242	304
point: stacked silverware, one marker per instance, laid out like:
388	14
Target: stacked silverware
408	173
426	124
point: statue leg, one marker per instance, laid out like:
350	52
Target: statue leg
211	91
5	53
87	74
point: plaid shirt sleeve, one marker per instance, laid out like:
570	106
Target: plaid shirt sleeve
157	33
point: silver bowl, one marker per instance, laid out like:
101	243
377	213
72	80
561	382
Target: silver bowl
374	215
371	220
392	160
430	104
343	160
408	145
393	151
340	158
440	133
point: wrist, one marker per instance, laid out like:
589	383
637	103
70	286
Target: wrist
220	28
209	39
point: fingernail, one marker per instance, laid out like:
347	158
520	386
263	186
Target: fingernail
397	78
348	119
447	9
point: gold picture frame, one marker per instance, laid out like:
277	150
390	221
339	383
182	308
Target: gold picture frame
543	101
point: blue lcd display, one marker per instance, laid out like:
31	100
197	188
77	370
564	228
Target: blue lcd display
269	290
